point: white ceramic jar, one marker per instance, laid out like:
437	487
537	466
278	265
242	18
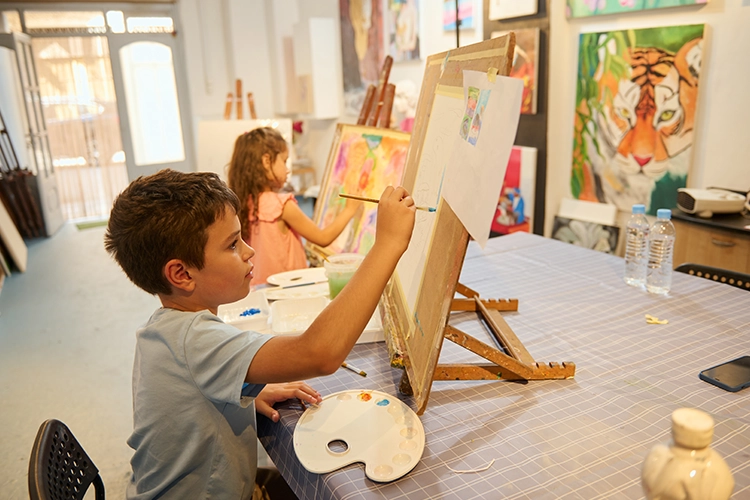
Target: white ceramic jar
687	467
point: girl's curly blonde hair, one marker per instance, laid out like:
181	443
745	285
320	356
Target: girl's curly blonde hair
246	175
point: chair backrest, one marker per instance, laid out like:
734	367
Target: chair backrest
734	278
59	468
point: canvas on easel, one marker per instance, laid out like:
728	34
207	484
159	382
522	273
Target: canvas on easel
363	161
419	298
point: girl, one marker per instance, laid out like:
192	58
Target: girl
272	222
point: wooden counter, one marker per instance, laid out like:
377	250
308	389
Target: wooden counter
721	241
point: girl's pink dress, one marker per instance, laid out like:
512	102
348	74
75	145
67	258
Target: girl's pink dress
278	247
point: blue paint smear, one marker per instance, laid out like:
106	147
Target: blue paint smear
250	312
383	402
419	325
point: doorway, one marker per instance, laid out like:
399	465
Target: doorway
112	103
83	125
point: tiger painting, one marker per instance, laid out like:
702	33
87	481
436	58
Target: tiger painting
635	116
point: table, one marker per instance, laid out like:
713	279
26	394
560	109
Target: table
580	438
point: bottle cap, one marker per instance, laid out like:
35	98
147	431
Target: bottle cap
692	428
639	209
664	213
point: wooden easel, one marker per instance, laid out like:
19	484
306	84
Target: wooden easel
517	364
415	333
236	98
376	109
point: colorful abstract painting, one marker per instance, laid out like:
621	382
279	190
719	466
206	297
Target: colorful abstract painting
515	205
586	8
363	162
362	49
403	30
586	234
465	13
525	65
636	99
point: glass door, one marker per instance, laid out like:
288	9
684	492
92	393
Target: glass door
155	128
80	108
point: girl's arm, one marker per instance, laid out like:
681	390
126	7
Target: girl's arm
322	348
297	220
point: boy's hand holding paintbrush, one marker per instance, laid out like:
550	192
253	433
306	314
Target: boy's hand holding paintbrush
325	344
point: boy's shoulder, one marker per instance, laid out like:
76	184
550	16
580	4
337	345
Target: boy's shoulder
170	322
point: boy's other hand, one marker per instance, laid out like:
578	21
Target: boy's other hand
276	393
395	223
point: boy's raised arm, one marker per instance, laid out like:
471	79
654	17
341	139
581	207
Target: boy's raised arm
322	348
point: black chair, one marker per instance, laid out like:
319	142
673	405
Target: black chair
734	278
59	468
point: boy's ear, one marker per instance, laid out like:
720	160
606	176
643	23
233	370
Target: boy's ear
178	276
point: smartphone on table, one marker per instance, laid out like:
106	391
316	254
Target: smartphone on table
730	376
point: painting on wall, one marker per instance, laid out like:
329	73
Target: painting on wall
507	9
403	30
515	205
465	12
363	161
362	49
586	234
636	99
525	65
586	8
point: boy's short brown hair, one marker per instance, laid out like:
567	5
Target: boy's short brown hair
161	217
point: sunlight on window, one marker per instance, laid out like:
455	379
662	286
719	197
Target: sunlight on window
150	25
64	22
13	18
116	21
153	109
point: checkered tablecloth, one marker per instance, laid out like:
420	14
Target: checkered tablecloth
582	438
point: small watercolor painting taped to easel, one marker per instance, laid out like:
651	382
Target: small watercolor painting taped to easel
363	161
352	426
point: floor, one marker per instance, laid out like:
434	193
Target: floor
67	337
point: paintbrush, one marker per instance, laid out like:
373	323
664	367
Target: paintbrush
373	200
354	369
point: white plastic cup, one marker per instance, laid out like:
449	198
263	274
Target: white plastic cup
340	269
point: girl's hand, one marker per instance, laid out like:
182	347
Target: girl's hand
276	393
395	223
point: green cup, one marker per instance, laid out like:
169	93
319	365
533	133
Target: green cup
340	269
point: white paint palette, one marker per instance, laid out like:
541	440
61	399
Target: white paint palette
360	426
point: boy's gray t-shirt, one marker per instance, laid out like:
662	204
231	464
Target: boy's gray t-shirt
193	422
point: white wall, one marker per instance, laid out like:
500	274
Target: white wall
722	145
229	39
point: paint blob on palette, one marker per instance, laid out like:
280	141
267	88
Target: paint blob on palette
371	427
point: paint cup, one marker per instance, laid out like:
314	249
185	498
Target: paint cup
340	269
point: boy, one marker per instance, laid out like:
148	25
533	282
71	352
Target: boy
177	235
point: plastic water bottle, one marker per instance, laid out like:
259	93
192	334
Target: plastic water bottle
660	249
636	247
